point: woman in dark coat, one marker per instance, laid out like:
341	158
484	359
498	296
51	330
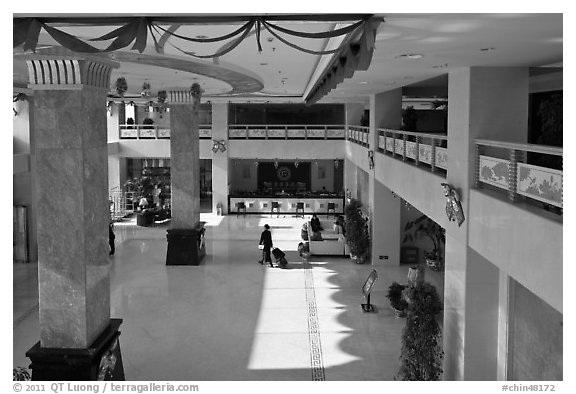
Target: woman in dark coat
266	240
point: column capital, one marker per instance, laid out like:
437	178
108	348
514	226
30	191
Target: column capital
46	72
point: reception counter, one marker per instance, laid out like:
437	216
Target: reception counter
263	205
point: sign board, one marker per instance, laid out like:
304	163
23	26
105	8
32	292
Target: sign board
369	282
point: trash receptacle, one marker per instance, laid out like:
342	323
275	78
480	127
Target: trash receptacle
219	209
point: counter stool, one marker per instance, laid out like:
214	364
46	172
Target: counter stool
275	206
299	207
331	207
240	206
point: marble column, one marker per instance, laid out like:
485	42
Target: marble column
490	103
186	235
68	138
219	158
185	159
70	179
385	210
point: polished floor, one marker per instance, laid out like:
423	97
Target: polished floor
231	319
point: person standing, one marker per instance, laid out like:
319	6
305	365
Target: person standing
266	241
156	195
111	238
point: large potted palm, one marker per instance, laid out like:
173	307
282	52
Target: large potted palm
357	236
424	227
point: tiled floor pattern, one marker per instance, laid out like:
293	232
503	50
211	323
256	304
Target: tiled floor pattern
233	319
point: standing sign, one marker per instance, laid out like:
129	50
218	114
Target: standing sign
367	307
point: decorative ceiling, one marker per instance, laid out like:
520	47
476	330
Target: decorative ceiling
287	58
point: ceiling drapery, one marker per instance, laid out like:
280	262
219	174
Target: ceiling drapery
354	53
137	29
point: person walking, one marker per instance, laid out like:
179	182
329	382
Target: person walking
111	238
266	241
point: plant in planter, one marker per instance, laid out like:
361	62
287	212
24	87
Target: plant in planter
148	122
409	119
424	227
357	236
421	355
396	301
121	86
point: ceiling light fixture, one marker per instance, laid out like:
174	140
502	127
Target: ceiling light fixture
410	56
487	49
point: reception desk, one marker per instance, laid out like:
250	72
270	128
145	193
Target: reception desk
263	205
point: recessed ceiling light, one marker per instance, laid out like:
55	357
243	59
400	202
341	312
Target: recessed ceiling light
487	49
263	64
410	56
270	39
440	66
201	36
363	82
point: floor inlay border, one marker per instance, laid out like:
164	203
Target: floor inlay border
316	360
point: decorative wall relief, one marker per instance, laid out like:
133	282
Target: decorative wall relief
540	183
425	152
441	157
453	206
389	144
148	133
381	142
399	146
494	171
128	133
315	133
276	133
335	133
296	133
237	133
256	133
411	149
163	133
205	132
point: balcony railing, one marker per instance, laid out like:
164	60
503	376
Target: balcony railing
154	132
418	148
286	132
505	166
358	135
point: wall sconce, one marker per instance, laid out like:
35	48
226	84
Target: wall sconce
454	209
336	163
296	164
218	145
256	162
371	159
276	164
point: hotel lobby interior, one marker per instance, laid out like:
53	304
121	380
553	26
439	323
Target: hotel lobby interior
187	133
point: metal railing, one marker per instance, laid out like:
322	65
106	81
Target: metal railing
359	135
507	166
418	148
287	132
154	132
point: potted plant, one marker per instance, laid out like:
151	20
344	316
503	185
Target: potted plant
357	236
20	374
397	302
148	122
421	355
424	227
409	119
121	86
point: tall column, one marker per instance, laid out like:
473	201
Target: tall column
385	112
68	141
219	158
186	235
483	103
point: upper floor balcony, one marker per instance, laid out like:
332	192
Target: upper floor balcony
287	132
154	132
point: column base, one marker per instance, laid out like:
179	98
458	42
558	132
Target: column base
186	246
101	361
